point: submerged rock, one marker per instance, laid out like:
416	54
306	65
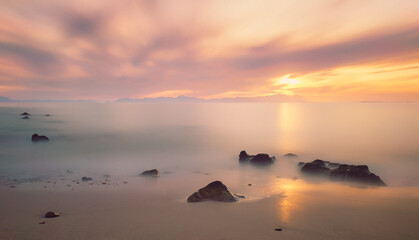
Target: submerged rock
25	117
259	159
215	191
86	179
37	138
25	114
290	155
316	167
357	173
152	172
52	215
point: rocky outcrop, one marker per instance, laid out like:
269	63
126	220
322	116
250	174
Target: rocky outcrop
25	114
341	172
215	191
316	167
152	172
356	173
52	215
258	159
37	138
290	155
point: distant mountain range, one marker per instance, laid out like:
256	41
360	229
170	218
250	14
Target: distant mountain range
6	99
273	98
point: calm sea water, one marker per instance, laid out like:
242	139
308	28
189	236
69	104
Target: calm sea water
126	138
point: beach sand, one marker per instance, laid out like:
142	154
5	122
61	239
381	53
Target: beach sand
157	209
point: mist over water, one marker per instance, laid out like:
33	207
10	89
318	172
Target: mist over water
124	139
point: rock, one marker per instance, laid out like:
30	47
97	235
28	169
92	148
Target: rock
262	159
42	222
37	138
259	159
356	173
316	167
25	117
152	172
47	115
243	156
25	114
215	191
86	179
278	229
290	155
300	164
52	215
249	184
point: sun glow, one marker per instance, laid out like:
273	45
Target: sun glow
287	80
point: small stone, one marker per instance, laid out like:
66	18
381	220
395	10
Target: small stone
42	222
249	184
52	215
152	172
278	229
25	114
125	182
85	179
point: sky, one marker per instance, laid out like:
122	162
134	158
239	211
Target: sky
317	50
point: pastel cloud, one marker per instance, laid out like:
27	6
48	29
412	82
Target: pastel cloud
209	49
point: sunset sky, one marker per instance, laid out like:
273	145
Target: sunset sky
319	50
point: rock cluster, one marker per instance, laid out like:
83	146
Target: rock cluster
341	172
258	159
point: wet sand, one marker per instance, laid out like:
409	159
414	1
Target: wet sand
157	209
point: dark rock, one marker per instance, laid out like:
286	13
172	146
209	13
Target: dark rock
259	159
278	229
249	184
125	182
243	156
290	155
356	173
152	172
25	114
52	215
86	179
47	115
316	167
215	191
37	138
25	117
262	159
42	222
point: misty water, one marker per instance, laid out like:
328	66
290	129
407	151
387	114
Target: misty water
126	138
